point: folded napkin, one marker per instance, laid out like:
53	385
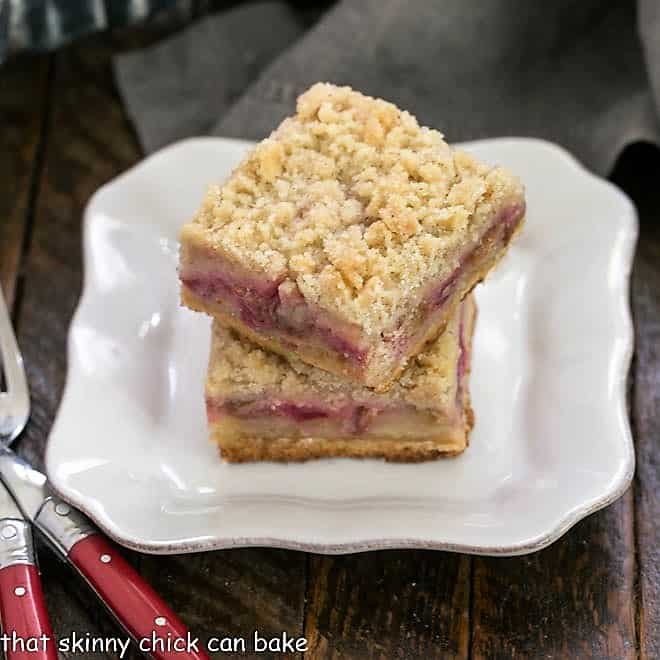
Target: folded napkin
577	72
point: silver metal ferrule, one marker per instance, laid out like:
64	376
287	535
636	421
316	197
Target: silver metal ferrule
62	525
15	543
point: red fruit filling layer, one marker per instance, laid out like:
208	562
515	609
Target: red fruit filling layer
273	306
354	418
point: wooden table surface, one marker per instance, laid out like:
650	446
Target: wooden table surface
594	593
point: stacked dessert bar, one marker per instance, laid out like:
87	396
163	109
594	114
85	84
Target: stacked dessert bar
337	263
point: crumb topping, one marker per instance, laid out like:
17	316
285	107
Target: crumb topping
239	369
356	202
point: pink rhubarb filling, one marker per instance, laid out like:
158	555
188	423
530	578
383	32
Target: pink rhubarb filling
352	417
276	307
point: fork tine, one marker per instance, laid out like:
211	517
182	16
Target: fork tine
15	406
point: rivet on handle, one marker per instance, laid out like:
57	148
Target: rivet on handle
8	532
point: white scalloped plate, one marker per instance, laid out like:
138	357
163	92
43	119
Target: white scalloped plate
553	344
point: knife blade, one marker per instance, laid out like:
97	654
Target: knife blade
23	611
132	602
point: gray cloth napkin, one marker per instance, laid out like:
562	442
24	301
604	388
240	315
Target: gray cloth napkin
179	88
577	72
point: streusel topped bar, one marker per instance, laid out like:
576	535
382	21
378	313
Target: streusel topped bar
261	406
348	237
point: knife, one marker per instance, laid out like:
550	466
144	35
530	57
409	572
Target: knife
22	607
132	602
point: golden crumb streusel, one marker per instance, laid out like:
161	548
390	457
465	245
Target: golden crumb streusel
356	202
238	369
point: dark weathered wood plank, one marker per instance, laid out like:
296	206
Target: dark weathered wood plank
638	173
90	141
646	416
233	593
394	604
22	106
573	600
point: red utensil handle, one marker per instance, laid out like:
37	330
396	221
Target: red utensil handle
142	612
23	614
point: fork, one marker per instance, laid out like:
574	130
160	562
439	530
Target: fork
133	603
15	401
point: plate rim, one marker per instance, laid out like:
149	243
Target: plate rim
624	251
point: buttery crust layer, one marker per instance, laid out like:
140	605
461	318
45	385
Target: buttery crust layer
244	450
